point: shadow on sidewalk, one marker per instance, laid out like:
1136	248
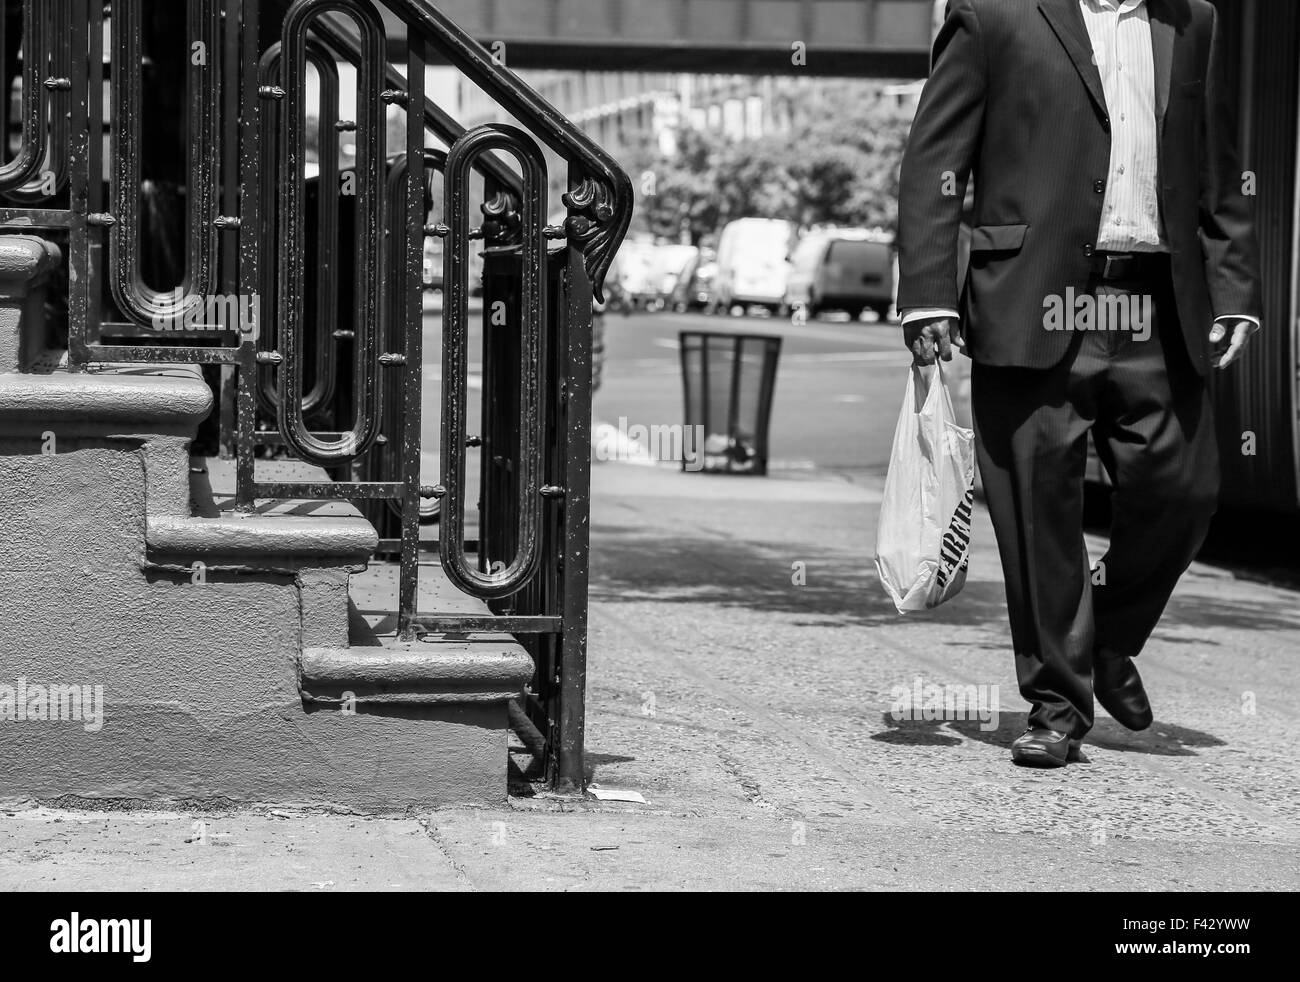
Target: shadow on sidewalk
837	589
1161	740
840	588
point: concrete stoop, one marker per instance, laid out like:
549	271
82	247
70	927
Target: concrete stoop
222	643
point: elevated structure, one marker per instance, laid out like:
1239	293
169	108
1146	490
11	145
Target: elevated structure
862	38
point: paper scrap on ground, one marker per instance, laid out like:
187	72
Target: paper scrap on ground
614	794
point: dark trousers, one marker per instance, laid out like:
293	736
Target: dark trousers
1149	414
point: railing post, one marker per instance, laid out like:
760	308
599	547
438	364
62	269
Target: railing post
574	357
86	39
413	318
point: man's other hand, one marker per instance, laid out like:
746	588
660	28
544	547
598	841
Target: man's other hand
924	338
1241	333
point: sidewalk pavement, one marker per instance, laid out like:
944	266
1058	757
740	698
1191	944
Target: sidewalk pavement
751	707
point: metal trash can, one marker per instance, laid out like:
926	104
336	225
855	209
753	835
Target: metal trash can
729	380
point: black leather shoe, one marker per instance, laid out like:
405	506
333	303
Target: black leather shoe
1044	748
1118	687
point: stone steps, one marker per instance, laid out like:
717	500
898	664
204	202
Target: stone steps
223	642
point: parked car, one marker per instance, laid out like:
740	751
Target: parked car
670	263
753	263
634	268
848	269
694	290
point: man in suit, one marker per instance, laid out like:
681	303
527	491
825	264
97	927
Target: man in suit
1113	265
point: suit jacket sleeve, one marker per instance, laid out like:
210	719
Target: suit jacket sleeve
1226	225
937	162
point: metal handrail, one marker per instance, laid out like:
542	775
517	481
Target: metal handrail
601	203
335	37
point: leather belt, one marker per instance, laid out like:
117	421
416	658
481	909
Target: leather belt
1128	265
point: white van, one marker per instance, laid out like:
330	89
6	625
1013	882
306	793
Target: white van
753	263
849	269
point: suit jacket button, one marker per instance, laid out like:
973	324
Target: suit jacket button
1099	186
1088	250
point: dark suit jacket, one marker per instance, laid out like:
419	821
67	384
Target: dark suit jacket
1015	99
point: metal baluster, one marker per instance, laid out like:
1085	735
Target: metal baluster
370	223
229	256
386	458
87	91
35	102
324	381
411	310
57	60
136	299
455	360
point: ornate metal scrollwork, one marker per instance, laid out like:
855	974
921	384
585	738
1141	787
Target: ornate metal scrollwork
591	226
502	222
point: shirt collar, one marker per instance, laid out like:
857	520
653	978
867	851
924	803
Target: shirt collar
1122	6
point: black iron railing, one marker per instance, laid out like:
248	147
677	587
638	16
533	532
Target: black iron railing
330	369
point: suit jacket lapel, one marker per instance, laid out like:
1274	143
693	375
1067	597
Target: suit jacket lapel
1162	50
1066	20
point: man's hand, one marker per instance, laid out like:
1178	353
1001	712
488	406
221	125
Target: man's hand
924	337
1241	333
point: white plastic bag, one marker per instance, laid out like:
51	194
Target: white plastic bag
923	537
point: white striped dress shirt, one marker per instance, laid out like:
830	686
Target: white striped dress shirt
1121	45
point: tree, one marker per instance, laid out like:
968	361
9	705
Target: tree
862	118
838	164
